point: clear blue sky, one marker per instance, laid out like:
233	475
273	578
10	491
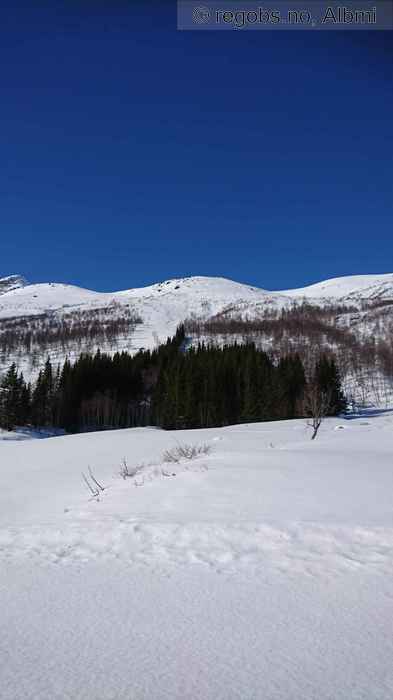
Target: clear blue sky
131	152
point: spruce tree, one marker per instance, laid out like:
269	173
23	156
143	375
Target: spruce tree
327	378
10	399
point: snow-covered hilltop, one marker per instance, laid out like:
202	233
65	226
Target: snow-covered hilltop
178	296
182	297
348	289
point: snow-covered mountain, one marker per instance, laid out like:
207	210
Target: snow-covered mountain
60	320
177	299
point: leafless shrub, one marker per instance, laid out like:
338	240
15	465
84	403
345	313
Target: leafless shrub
185	452
316	406
94	480
127	472
93	485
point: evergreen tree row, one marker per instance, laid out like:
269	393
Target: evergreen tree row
169	387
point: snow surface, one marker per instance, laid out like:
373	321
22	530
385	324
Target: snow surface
259	571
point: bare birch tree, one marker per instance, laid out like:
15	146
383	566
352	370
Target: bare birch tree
316	405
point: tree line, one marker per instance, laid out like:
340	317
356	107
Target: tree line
170	387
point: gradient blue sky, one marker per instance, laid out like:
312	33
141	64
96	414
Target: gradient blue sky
132	152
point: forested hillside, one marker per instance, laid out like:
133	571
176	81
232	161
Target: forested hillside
360	337
170	387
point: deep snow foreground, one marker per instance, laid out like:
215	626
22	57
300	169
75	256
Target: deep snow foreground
262	570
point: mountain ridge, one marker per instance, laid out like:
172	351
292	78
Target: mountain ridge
336	288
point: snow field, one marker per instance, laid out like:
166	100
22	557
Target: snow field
260	571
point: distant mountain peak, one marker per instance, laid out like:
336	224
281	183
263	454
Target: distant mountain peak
8	284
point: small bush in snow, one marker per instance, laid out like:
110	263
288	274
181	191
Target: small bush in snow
93	484
180	452
127	472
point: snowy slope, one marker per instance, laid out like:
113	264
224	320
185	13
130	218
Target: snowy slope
37	299
350	288
262	570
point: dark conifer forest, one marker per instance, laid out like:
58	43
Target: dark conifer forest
170	387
